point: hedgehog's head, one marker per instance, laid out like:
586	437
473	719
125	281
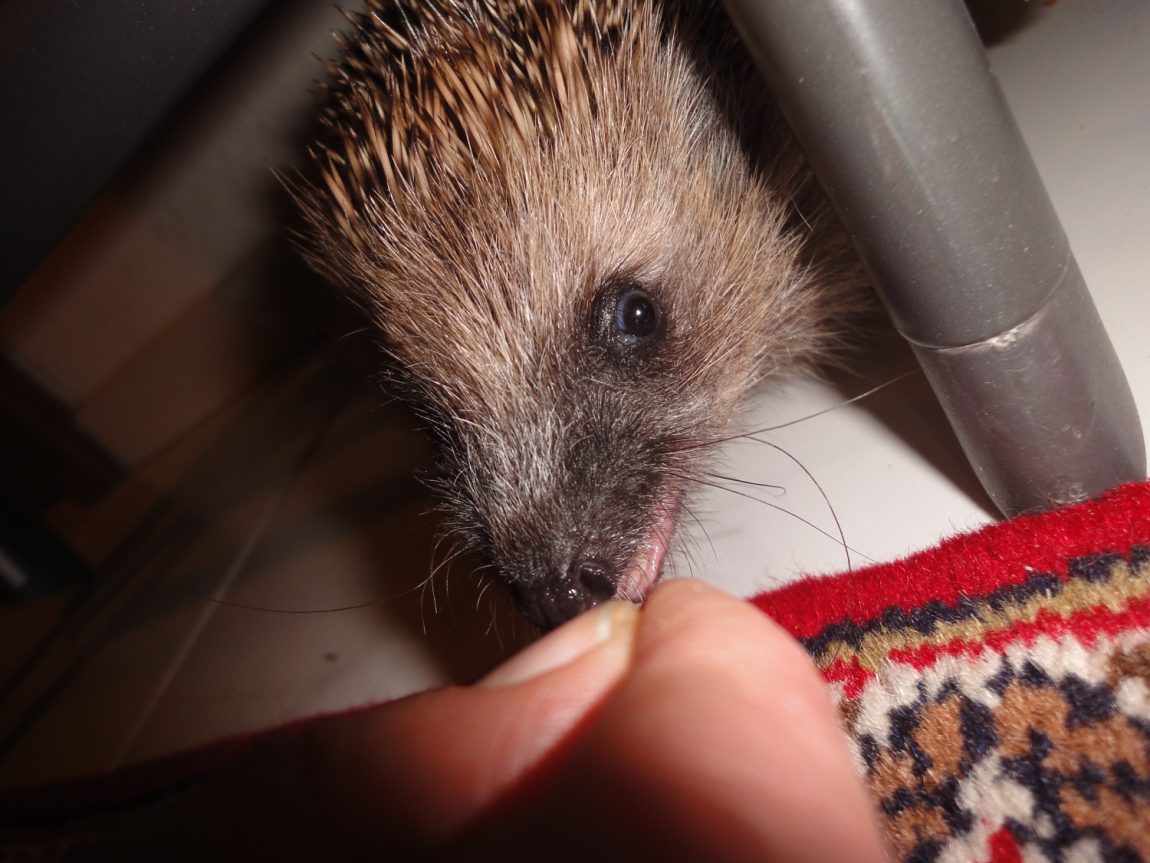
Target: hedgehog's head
555	229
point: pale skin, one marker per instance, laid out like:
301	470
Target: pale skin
692	729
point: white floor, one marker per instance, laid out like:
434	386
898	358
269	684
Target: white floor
331	524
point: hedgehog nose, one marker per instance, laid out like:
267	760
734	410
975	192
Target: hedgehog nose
588	582
595	576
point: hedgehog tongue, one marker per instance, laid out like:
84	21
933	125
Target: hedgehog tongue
647	565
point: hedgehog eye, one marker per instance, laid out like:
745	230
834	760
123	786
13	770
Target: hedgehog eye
629	322
637	316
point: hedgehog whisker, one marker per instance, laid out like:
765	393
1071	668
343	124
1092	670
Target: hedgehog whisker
839	540
355	332
872	391
486	584
767	485
493	622
826	499
718	440
494	608
456	550
703	528
272	610
686	557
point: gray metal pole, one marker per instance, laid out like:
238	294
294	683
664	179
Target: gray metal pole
905	126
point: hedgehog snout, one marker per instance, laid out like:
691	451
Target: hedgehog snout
569	590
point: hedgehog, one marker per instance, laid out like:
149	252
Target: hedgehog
581	234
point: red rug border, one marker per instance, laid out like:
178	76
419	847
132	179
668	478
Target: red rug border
970	564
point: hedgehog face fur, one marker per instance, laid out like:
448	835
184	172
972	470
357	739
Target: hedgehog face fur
549	212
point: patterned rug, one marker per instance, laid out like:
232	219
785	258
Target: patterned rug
996	689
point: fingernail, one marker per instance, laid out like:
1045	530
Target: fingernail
611	622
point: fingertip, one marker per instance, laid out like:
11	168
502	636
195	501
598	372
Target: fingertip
684	601
611	624
689	620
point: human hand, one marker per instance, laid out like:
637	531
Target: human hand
693	729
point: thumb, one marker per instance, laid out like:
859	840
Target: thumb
720	744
